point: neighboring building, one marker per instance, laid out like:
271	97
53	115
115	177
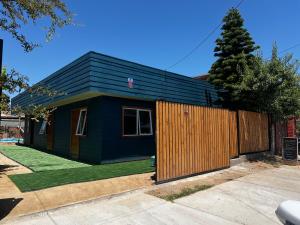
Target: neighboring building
202	77
288	128
11	126
108	112
8	120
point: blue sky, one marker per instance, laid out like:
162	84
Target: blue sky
155	33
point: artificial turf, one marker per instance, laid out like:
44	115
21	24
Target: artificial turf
51	178
37	160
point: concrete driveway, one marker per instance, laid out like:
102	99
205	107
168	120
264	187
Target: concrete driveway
248	200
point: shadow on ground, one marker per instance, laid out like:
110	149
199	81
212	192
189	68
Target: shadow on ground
6	167
7	204
268	158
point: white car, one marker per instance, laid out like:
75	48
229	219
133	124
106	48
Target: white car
288	212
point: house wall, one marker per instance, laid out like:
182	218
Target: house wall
26	135
90	145
114	144
104	139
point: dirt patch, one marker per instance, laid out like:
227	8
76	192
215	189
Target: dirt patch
7	144
273	160
180	188
185	192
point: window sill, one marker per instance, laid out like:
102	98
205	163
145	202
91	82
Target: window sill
138	135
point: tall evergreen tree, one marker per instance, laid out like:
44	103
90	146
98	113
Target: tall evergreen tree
233	47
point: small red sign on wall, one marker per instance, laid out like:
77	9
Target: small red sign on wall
130	82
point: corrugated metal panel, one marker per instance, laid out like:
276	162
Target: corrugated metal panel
94	72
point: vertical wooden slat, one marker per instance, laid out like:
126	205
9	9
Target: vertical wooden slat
233	142
157	140
165	149
177	137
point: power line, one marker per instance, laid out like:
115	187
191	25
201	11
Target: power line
201	42
286	49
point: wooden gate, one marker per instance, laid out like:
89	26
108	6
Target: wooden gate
253	132
190	140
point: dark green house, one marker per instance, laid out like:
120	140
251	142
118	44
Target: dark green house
108	110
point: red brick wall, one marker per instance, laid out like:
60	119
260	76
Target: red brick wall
291	127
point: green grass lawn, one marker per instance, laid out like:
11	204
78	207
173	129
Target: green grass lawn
51	178
38	160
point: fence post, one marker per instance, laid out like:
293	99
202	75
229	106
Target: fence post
238	131
271	132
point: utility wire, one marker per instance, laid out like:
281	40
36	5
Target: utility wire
287	49
201	42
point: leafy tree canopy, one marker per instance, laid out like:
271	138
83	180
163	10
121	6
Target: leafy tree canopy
10	82
271	86
14	14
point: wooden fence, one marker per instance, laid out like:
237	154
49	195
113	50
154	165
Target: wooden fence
253	132
233	135
190	140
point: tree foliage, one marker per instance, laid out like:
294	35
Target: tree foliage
14	14
271	86
235	46
38	111
10	82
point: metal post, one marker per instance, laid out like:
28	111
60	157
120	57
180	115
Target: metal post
1	54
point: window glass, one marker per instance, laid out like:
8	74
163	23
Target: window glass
130	122
145	122
43	127
81	124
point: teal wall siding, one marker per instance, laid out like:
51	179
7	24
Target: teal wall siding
71	80
62	130
98	73
91	145
109	75
116	146
39	140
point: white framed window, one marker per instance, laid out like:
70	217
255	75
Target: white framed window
137	122
145	122
81	123
43	127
